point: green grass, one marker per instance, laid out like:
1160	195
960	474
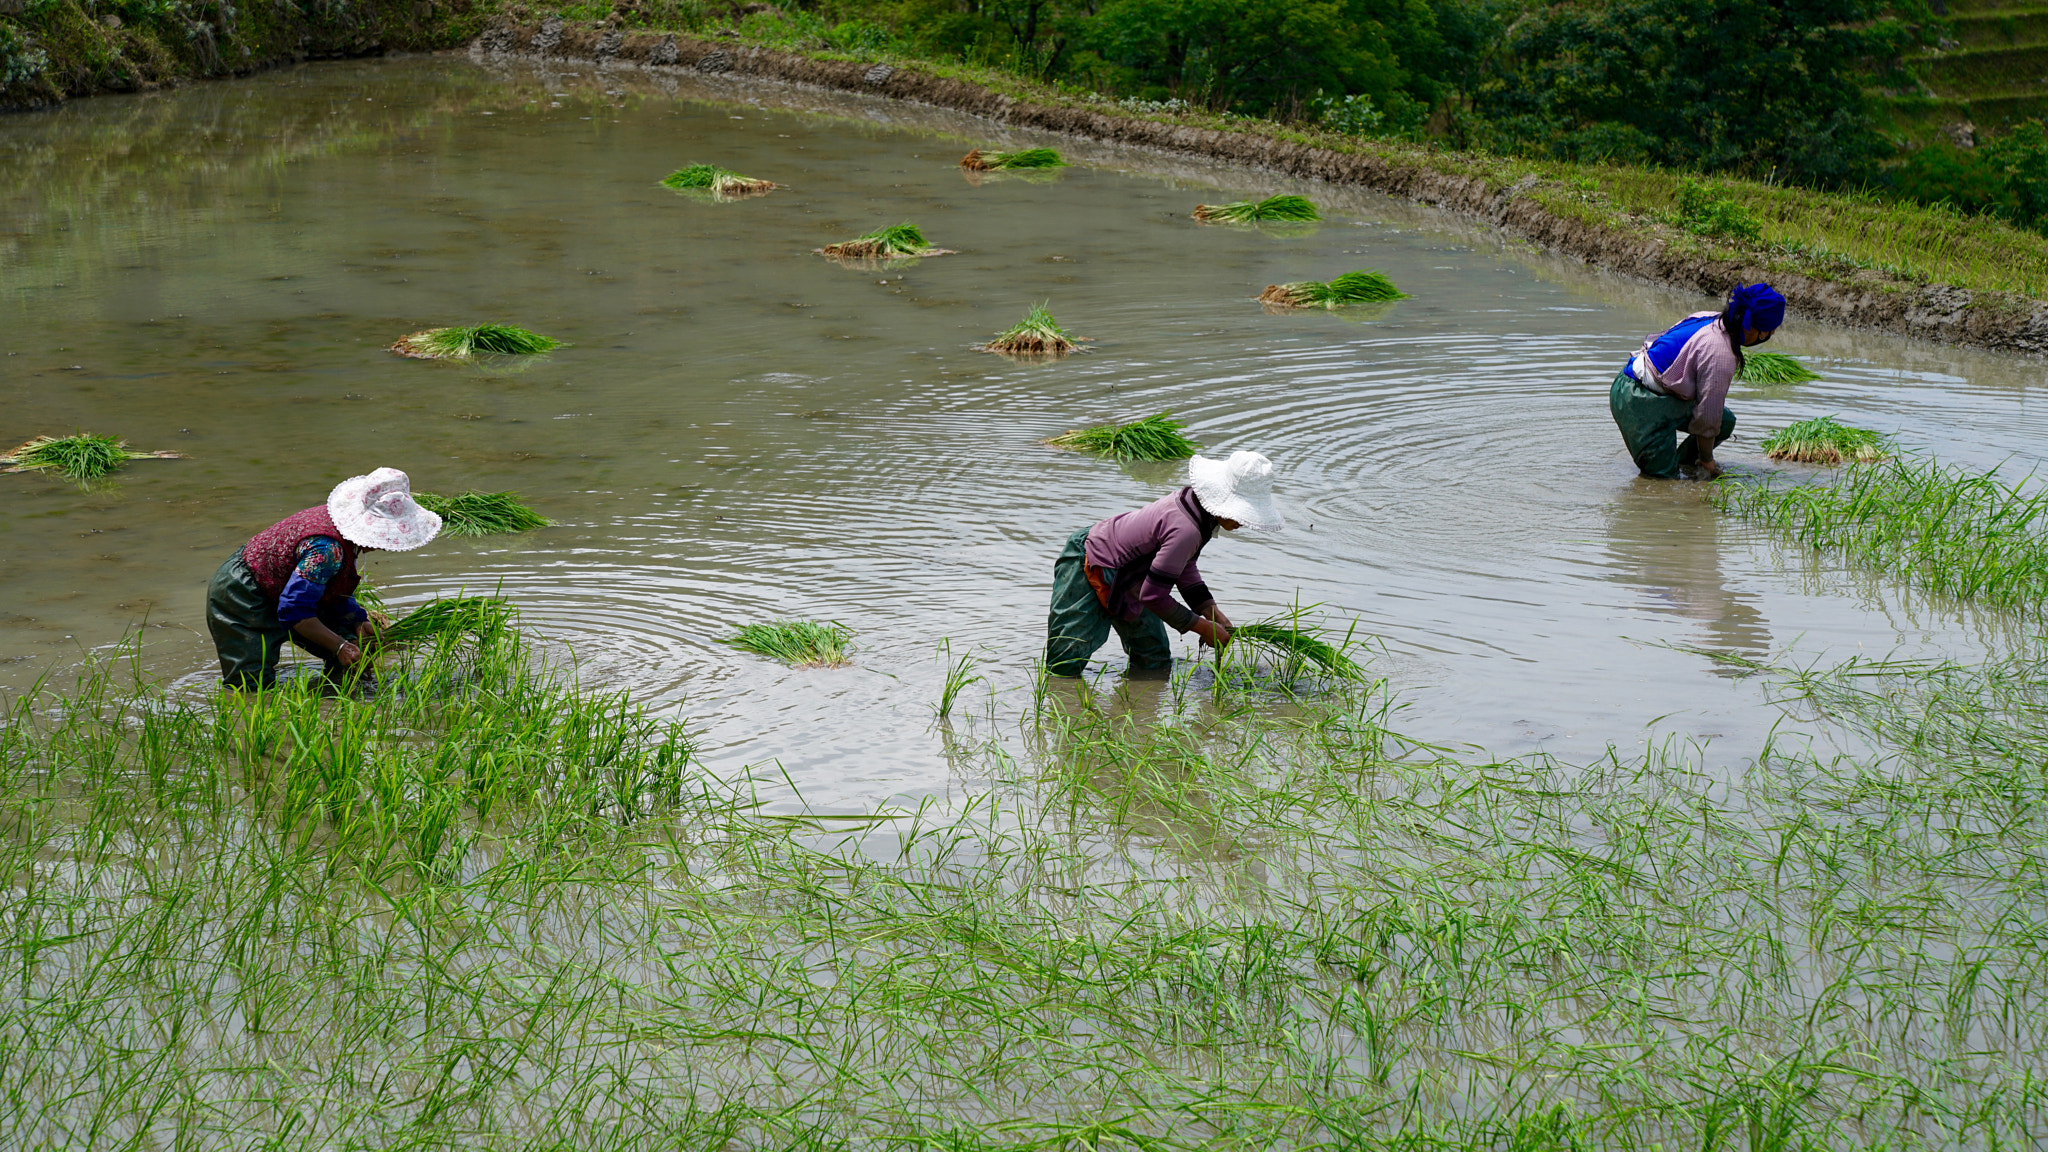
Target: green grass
719	181
988	160
79	456
483	617
1152	438
1283	208
1774	368
1823	441
1037	334
1965	534
481	513
894	242
464	343
799	643
1365	287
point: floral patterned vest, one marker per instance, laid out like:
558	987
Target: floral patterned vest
274	552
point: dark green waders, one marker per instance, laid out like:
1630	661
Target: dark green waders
1650	423
1079	623
246	630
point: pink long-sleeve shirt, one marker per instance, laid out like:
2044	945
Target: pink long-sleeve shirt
1153	550
1699	373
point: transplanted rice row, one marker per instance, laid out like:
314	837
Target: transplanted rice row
1157	437
990	160
898	241
1366	287
482	513
1284	208
493	908
465	343
1822	440
79	456
716	180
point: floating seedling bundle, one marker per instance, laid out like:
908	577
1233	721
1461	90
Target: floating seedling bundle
481	513
895	242
1038	334
478	616
717	181
1823	441
464	343
1283	208
1153	438
79	456
800	643
989	160
1365	287
1774	368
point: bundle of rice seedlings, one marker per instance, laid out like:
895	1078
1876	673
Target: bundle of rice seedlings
1367	287
799	643
988	160
1822	441
1282	207
79	456
718	181
481	513
1038	334
463	343
1286	637
460	615
1153	438
893	242
1773	368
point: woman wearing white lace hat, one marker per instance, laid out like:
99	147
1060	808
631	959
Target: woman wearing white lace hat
296	579
1122	572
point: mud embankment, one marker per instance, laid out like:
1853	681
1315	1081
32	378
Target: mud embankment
1999	320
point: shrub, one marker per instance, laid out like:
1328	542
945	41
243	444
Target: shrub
1702	213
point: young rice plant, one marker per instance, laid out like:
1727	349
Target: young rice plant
1365	287
988	160
481	617
1823	441
718	181
79	456
1152	438
1038	334
1283	208
1774	368
464	343
799	643
481	513
895	242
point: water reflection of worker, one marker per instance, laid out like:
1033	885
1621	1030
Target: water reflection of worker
1122	572
296	579
1678	382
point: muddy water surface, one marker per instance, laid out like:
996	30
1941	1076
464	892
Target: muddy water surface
744	431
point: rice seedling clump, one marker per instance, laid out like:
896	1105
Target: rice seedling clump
716	180
1153	438
799	643
1038	334
1823	441
891	243
79	456
476	616
1365	287
1773	368
464	343
1295	643
1284	207
482	513
989	160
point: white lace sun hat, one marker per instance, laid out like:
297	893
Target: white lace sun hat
1240	489
378	511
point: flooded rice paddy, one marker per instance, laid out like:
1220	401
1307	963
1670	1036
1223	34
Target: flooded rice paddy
496	911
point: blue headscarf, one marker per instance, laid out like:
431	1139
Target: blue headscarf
1756	306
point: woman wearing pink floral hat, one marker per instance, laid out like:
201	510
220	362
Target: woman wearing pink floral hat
296	579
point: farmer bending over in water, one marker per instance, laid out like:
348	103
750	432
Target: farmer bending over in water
1121	573
1679	381
296	579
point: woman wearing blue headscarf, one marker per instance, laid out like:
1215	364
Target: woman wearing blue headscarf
1678	382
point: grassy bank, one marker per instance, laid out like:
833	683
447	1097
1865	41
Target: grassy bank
499	910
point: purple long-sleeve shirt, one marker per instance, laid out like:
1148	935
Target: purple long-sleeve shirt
1699	371
1161	541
